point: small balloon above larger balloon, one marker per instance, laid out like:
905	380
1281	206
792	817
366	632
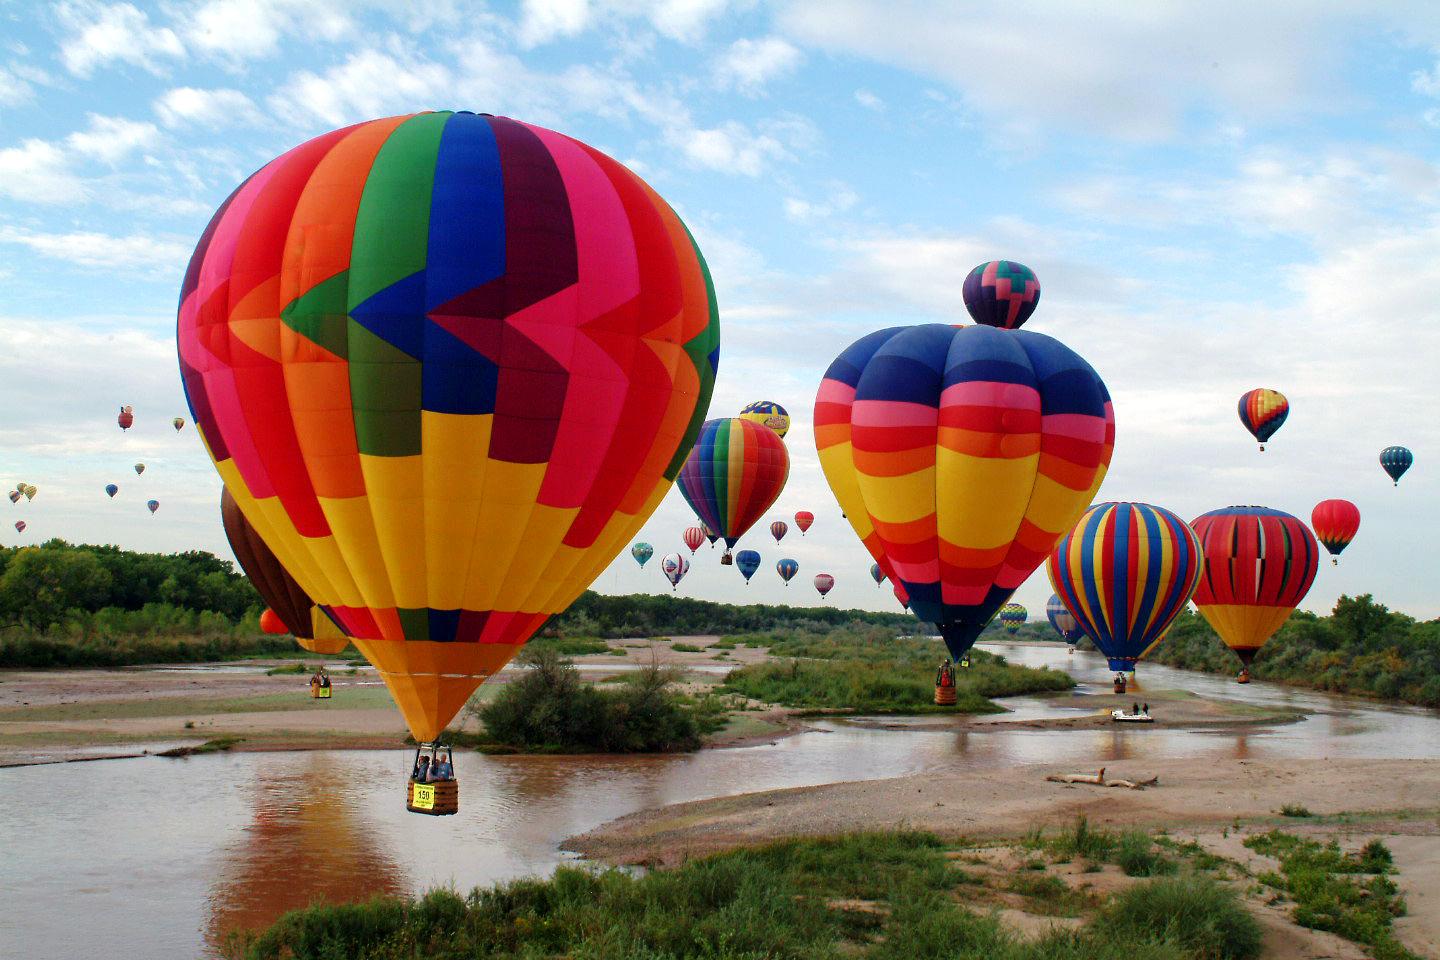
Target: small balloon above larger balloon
768	413
1001	293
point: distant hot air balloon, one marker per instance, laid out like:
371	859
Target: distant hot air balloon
111	489
824	583
767	413
284	598
803	520
778	529
1001	293
30	491
877	574
178	423
1335	523
674	566
271	623
733	475
961	455
1013	617
1395	461
1262	412
642	552
1063	620
747	562
139	468
126	419
693	537
1259	564
787	569
1125	572
454	361
20	526
15	496
152	505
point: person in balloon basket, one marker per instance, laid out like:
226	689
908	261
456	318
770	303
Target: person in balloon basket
421	773
442	768
315	685
945	676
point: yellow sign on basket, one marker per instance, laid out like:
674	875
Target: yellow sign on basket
424	798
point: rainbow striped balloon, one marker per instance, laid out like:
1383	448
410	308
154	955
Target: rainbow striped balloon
1263	412
1125	572
447	364
960	455
733	475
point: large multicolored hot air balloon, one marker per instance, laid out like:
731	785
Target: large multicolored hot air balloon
877	574
1335	523
803	520
642	552
1013	617
1263	412
1062	620
1125	572
126	418
824	583
111	489
767	413
693	537
747	562
448	364
674	566
778	529
1001	293
1259	564
733	475
787	568
960	455
1395	461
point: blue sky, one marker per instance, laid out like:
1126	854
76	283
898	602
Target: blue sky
1215	197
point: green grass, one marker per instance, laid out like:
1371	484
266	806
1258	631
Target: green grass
363	698
1295	810
571	646
685	648
1349	894
1137	854
1199	915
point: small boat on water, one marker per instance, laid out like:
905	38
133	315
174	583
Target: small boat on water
1141	715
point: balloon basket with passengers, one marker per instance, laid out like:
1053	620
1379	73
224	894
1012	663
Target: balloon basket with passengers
432	789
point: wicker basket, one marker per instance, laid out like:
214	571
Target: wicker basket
944	696
439	799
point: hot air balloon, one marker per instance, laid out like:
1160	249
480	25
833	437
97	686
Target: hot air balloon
733	475
284	599
803	520
693	537
709	534
1259	564
271	623
1395	461
1001	293
778	529
747	562
1335	523
15	496
1263	412
19	526
767	413
448	364
1063	621
960	455
1125	572
178	423
111	489
1013	617
674	567
30	491
787	569
877	574
900	595
642	552
824	583
126	418
139	469
152	505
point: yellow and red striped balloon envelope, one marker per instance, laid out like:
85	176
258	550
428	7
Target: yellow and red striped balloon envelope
960	455
447	364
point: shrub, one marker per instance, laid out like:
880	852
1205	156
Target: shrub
1137	855
1204	918
1295	810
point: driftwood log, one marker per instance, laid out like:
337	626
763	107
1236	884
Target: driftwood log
1098	780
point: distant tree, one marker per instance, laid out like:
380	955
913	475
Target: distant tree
41	584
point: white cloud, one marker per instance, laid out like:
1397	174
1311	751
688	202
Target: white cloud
209	108
18	81
1427	82
370	83
166	255
869	100
840	199
38	171
111	139
240	30
748	65
544	20
101	34
730	148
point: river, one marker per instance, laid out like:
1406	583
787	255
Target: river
159	858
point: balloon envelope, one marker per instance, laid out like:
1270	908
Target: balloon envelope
448	363
1259	564
1125	572
787	568
767	413
1335	523
877	574
642	552
674	566
1263	412
1395	461
153	505
778	529
271	623
111	489
693	537
823	583
803	520
178	423
126	418
960	455
1001	293
733	475
139	468
1062	620
283	596
747	562
1013	617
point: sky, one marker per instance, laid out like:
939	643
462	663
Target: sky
1215	196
